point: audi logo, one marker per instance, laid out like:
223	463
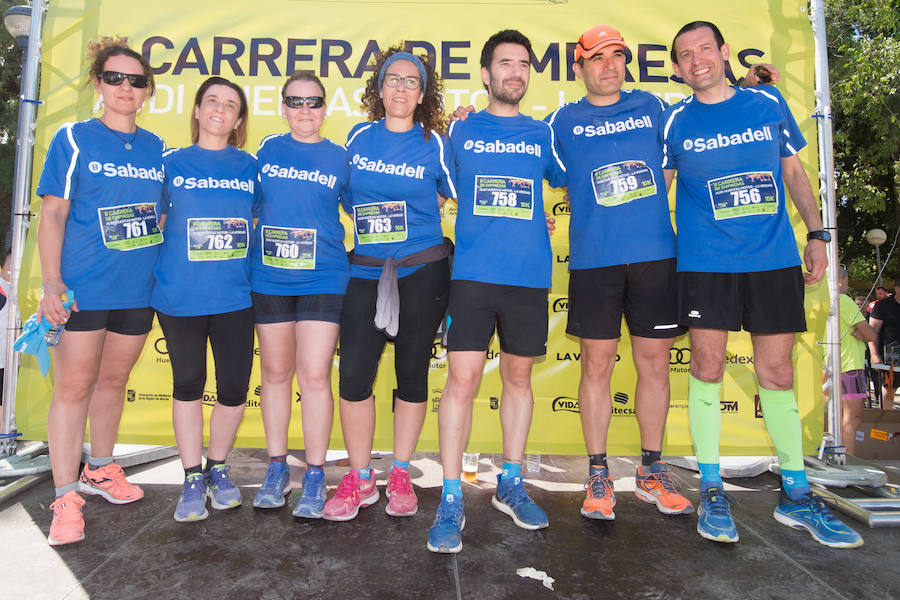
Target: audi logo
679	356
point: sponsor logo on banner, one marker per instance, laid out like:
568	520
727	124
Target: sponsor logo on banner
757	407
739	359
209	398
257	390
729	406
127	171
561	305
436	399
622	411
679	360
495	403
576	356
566	404
130	395
561	208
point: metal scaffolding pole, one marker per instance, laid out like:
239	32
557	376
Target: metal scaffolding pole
829	219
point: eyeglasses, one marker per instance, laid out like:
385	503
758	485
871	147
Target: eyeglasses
410	82
309	101
116	78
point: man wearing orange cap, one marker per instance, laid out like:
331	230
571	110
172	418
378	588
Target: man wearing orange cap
621	260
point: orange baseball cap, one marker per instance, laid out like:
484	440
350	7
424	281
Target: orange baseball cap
596	39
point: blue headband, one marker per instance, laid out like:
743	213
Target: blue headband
403	56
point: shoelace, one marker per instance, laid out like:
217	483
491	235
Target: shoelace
599	485
449	513
399	482
64	507
516	496
270	481
347	488
818	506
663	479
311	485
219	476
718	502
193	487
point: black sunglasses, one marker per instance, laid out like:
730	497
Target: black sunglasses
116	78
310	101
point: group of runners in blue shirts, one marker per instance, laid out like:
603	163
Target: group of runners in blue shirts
218	243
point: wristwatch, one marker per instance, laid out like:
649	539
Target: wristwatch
819	234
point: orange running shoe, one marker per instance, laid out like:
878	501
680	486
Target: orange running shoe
601	496
68	522
109	481
657	487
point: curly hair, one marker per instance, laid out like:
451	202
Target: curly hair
101	48
429	114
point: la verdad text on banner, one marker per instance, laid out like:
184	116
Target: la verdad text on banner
337	40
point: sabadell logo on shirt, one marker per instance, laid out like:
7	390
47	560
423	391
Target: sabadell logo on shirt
609	127
300	175
498	147
723	141
211	183
127	170
364	163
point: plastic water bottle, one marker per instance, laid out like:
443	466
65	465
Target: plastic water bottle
54	333
533	463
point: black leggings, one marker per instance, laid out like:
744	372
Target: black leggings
423	302
231	337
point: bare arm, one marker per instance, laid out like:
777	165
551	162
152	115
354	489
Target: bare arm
814	256
669	175
865	332
51	230
874	350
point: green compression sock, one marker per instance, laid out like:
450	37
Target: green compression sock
779	408
705	419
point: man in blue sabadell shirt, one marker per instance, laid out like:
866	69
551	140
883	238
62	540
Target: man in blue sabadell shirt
500	279
735	150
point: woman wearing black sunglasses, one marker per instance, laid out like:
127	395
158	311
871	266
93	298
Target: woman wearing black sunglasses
397	171
99	237
298	274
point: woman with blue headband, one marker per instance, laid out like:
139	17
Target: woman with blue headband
400	275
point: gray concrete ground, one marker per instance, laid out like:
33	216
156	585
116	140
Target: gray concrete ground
139	551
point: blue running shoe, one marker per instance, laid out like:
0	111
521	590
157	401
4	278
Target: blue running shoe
221	490
445	535
811	512
714	516
512	499
275	486
192	503
312	500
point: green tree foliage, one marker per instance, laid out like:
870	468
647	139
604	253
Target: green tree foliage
10	68
864	67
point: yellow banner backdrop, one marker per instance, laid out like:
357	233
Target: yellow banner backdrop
258	44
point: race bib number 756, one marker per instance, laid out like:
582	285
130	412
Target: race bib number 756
743	195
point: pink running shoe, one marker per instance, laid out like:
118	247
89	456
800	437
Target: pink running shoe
402	501
109	481
68	522
352	492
